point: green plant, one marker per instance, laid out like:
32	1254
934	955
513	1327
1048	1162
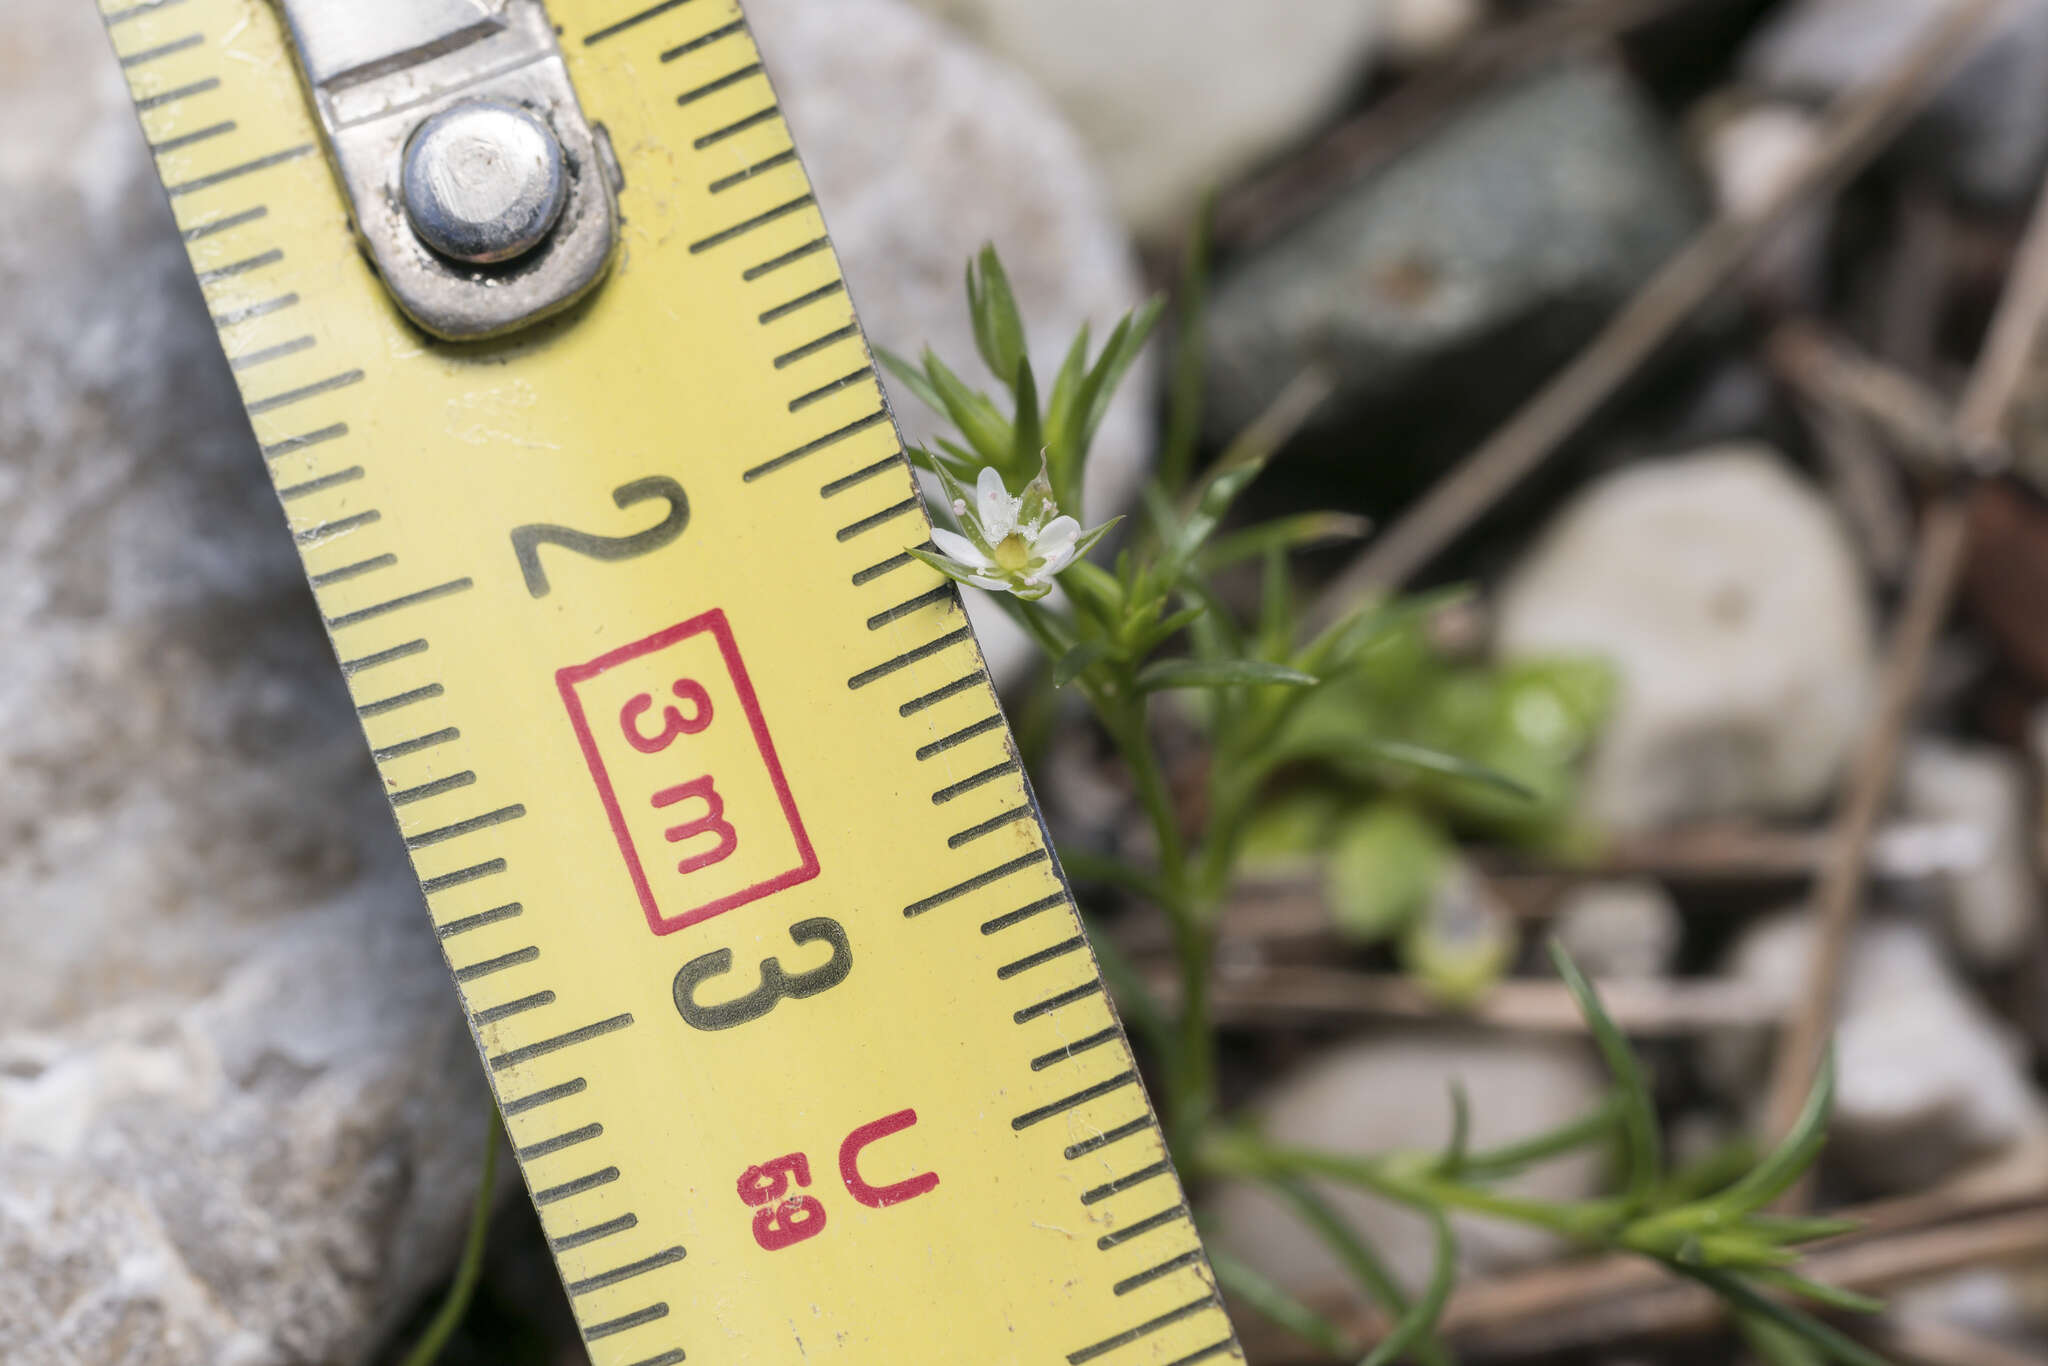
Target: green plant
1356	742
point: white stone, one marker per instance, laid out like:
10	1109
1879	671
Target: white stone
1727	598
1926	1081
1752	153
1620	929
1417	31
1175	97
922	149
1993	901
1379	1095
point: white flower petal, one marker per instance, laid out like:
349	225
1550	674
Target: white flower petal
992	585
997	510
957	547
1054	563
1060	534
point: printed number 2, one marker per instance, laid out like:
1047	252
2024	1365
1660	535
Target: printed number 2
527	540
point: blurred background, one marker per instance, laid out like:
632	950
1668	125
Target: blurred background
1665	326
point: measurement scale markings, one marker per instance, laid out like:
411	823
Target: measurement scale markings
314	535
187	139
759	220
498	964
433	789
837	334
1191	1257
1146	1329
603	1177
859	476
960	737
298	443
636	1319
404	699
466	827
879	416
493	1014
932	598
975	883
122	16
304	392
439	590
271	353
477	922
1032	960
734	129
1141	1228
325	481
1213	1349
713	86
233	220
1124	1183
151	54
583	1237
575	1087
665	1359
351	571
968	784
685	49
254	311
775	263
1079	1098
882	518
1104	1139
666	1257
557	1144
726	182
937	695
1052	1003
262	163
824	391
257	262
642	17
804	300
560	1041
1023	913
183	92
412	746
1076	1048
987	827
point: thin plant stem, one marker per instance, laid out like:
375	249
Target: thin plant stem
470	1268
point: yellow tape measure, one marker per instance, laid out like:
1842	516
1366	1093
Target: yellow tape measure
779	986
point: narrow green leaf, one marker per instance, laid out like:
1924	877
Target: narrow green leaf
913	378
998	327
1078	661
1279	1306
1165	629
1796	1152
1641	1147
1793	1229
1775	1345
1027	444
1359	1258
973	413
1436	761
1191	305
1119	353
1422	1316
1219	673
1833	1296
1297	532
1066	394
1832	1344
1510	1158
1458	1149
1096	592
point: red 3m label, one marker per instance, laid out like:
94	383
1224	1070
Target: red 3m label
680	753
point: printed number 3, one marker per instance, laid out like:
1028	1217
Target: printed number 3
527	540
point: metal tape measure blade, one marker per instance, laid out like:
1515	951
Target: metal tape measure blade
784	999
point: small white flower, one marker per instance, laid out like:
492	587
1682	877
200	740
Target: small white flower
1012	543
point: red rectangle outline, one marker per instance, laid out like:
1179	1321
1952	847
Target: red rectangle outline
713	621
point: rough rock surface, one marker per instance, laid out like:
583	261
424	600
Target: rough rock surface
1620	929
1469	267
1925	1080
1986	132
1175	97
1377	1095
1729	602
1993	902
239	1111
922	149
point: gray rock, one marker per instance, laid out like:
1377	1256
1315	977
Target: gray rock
1729	602
1176	97
1986	133
922	149
1620	929
1993	901
1926	1081
1377	1095
239	1111
1468	268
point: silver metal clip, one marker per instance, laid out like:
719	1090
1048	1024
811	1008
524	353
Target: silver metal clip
483	196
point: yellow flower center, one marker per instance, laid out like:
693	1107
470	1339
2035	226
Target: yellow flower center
1012	554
